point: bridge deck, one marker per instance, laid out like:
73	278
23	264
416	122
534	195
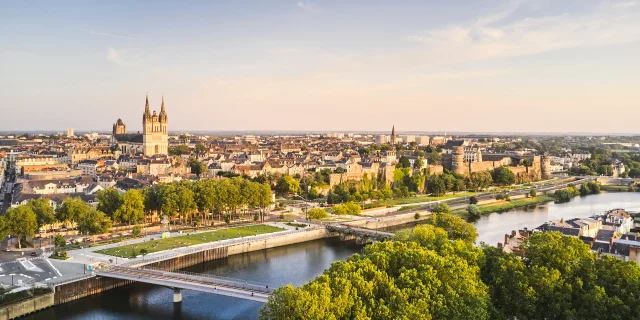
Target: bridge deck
192	281
359	231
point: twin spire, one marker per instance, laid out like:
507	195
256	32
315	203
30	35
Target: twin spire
147	112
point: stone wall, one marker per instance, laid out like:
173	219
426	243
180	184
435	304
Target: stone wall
26	306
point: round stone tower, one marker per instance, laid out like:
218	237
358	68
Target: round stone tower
457	160
545	166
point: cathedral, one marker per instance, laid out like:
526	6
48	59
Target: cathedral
154	139
155	134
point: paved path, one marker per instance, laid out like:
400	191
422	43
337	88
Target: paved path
192	281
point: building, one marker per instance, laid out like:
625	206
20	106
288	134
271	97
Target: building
392	140
155	135
119	127
70	132
382	139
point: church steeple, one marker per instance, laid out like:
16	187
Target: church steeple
393	135
147	112
163	112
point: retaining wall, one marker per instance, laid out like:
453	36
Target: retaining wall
27	306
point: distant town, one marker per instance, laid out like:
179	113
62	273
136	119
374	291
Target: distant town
106	201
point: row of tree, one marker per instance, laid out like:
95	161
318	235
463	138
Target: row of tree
186	200
435	271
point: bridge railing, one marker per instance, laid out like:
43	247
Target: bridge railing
69	280
226	281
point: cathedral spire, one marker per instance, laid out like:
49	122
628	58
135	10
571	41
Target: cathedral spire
163	111
147	112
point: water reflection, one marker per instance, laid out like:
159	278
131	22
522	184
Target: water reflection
294	264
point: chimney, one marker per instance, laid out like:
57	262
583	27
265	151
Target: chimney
611	242
513	233
506	238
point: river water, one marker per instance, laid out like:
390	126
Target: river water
295	264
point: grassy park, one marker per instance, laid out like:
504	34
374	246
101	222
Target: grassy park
505	205
188	240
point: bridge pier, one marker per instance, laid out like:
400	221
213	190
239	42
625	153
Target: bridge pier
177	295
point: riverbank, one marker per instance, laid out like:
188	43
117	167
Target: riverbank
505	205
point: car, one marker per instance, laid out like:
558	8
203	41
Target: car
7	249
104	238
87	239
63	229
34	254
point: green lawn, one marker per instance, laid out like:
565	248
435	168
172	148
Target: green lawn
505	205
185	241
418	199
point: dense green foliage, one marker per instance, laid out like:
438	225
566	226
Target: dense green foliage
435	272
502	176
317	214
349	208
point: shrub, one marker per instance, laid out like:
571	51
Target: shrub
317	214
441	208
533	193
136	231
473	211
473	200
416	216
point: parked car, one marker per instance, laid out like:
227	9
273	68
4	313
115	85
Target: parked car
87	239
104	238
34	254
63	229
7	249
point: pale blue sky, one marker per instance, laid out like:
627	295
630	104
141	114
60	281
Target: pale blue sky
530	65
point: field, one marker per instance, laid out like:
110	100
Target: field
188	240
418	199
505	205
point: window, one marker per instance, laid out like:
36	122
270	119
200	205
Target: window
156	149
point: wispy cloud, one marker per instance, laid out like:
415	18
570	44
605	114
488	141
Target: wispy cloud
106	34
125	58
306	5
490	37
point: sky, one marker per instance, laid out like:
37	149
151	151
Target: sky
476	65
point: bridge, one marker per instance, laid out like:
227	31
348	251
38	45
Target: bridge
178	280
360	234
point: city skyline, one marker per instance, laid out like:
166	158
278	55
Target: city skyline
513	66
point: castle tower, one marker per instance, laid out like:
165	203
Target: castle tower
545	166
155	136
393	136
457	160
119	127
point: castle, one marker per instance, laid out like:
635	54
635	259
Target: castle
538	167
154	139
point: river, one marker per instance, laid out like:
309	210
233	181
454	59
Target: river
295	264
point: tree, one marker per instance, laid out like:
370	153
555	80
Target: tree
132	208
144	252
403	162
71	209
436	186
197	167
93	222
503	176
533	193
59	241
420	275
349	208
473	211
456	227
317	214
473	200
441	207
419	163
136	230
109	200
200	147
19	221
286	184
44	212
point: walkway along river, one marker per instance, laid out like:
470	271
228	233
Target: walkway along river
294	264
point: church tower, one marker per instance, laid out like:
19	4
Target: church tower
393	136
155	131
